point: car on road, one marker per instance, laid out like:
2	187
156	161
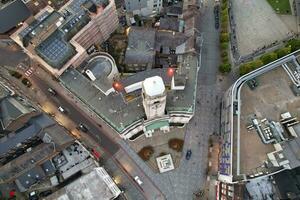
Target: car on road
82	127
188	154
61	109
138	180
52	91
45	193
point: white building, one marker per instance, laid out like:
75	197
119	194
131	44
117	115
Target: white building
154	97
145	8
93	186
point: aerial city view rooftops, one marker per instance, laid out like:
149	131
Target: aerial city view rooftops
149	99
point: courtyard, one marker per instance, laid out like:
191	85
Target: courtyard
257	25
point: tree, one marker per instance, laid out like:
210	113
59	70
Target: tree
224	54
225	67
176	144
268	57
224	27
146	153
294	44
224	46
225	59
224	37
283	51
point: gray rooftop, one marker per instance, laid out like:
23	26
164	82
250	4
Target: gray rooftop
120	113
31	177
140	48
91	186
12	14
169	23
12	108
132	5
38	126
48	167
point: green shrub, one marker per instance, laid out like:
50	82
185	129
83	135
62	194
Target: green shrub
294	44
268	57
225	59
224	54
225	67
283	51
250	66
224	46
224	37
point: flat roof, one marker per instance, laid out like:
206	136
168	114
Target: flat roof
92	186
272	97
13	13
118	112
254	118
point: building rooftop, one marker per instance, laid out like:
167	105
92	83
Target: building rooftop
272	97
140	48
52	136
169	23
51	31
264	131
120	112
92	186
12	107
31	177
13	13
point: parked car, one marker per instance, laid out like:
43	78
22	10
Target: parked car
138	180
82	127
52	91
188	154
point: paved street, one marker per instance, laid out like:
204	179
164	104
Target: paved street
190	177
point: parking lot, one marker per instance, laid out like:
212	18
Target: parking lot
256	25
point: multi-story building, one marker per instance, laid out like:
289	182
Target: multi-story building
150	100
59	39
144	8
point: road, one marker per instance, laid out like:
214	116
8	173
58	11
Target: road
77	116
117	158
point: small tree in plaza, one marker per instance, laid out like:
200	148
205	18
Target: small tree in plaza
146	152
176	144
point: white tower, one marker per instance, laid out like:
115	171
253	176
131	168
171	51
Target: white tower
154	97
